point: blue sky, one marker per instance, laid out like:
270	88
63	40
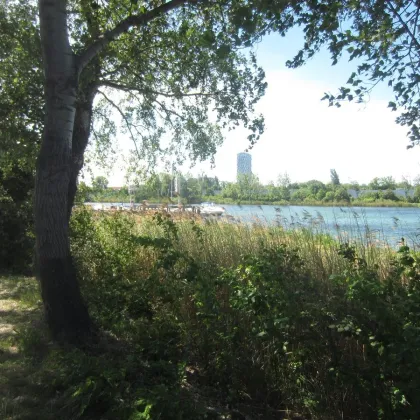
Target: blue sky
306	138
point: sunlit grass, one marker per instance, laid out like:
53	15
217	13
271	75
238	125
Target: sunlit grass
224	242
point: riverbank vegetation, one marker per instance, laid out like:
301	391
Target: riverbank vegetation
247	189
203	319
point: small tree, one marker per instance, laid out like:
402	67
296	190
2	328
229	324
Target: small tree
416	196
249	186
230	190
283	180
100	183
387	183
284	183
405	184
374	184
335	180
389	195
341	194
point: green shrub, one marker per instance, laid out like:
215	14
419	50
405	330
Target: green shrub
16	221
271	319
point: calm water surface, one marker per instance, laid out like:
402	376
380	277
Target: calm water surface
373	224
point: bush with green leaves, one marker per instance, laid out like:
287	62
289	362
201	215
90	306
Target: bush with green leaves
266	332
16	220
277	325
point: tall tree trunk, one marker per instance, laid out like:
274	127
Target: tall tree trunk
81	134
66	313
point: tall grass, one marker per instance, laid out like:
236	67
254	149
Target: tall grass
223	242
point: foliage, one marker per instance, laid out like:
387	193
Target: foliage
21	116
335	180
248	186
384	183
100	183
16	221
162	187
265	326
381	37
21	123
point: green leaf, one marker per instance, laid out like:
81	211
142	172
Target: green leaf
392	105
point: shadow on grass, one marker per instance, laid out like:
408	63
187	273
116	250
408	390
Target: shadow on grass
22	289
110	378
16	317
142	376
19	314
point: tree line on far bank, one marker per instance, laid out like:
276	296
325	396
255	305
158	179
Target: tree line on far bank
165	187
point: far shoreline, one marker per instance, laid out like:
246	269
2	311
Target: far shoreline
282	203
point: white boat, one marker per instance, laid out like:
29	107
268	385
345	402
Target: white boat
211	209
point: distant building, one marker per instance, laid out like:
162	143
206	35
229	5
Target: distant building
244	164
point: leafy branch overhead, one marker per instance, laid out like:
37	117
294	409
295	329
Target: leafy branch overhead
381	36
181	76
171	66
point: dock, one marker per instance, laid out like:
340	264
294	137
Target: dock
172	208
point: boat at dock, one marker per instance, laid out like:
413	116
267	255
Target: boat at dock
211	209
205	209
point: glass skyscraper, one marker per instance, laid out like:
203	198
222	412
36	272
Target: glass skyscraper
244	164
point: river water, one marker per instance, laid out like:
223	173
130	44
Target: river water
369	224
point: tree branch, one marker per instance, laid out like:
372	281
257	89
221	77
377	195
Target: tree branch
404	24
128	88
169	111
135	20
125	120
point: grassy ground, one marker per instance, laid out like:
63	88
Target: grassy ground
19	316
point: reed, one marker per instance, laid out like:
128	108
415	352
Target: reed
224	242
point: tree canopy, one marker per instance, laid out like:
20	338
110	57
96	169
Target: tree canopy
175	79
164	79
383	39
100	183
21	86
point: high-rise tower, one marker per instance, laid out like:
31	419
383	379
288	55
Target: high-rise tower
244	164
